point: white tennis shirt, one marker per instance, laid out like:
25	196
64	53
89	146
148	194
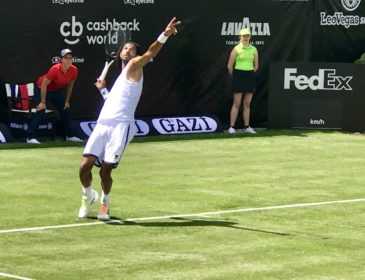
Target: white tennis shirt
122	100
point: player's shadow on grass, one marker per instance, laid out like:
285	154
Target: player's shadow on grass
181	222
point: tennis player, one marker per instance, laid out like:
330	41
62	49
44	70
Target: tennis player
115	126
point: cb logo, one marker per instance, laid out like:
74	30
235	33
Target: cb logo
71	31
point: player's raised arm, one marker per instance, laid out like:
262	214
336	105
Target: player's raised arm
140	61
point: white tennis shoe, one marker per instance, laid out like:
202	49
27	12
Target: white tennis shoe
73	139
86	203
231	130
249	130
32	141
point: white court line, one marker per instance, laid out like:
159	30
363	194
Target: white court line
13	276
205	214
248	210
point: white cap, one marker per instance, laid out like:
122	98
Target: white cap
65	51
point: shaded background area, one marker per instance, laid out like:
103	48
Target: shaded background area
189	76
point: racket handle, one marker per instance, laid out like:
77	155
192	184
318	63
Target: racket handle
105	70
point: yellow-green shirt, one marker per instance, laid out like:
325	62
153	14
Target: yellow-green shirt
245	57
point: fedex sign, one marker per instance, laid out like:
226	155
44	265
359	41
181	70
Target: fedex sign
325	80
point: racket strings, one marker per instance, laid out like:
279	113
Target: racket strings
114	39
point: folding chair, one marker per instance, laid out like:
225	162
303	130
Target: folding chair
21	106
20	99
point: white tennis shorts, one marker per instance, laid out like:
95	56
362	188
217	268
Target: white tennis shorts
108	142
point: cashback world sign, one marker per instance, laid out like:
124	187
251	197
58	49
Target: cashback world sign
94	31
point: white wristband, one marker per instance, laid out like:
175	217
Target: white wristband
104	92
162	38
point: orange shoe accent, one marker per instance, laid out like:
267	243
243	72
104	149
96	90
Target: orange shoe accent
103	209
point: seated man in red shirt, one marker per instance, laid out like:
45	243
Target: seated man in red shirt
55	87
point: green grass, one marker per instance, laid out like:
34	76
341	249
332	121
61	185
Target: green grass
169	175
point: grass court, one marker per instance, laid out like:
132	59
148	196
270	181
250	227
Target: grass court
283	204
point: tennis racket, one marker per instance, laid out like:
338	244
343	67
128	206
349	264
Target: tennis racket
116	37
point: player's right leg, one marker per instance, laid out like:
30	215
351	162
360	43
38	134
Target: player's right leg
120	135
106	183
89	196
87	202
92	154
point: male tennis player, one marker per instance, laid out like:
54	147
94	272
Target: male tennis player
115	126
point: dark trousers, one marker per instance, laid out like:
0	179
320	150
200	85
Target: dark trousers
57	98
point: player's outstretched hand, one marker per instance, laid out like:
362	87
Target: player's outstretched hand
171	27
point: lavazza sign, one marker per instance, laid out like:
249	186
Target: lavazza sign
325	80
256	28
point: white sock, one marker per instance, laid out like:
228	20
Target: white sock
87	191
105	198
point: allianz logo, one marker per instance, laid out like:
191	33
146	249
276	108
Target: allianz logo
256	28
325	80
22	126
25	126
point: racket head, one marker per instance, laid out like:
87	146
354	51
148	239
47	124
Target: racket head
116	37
